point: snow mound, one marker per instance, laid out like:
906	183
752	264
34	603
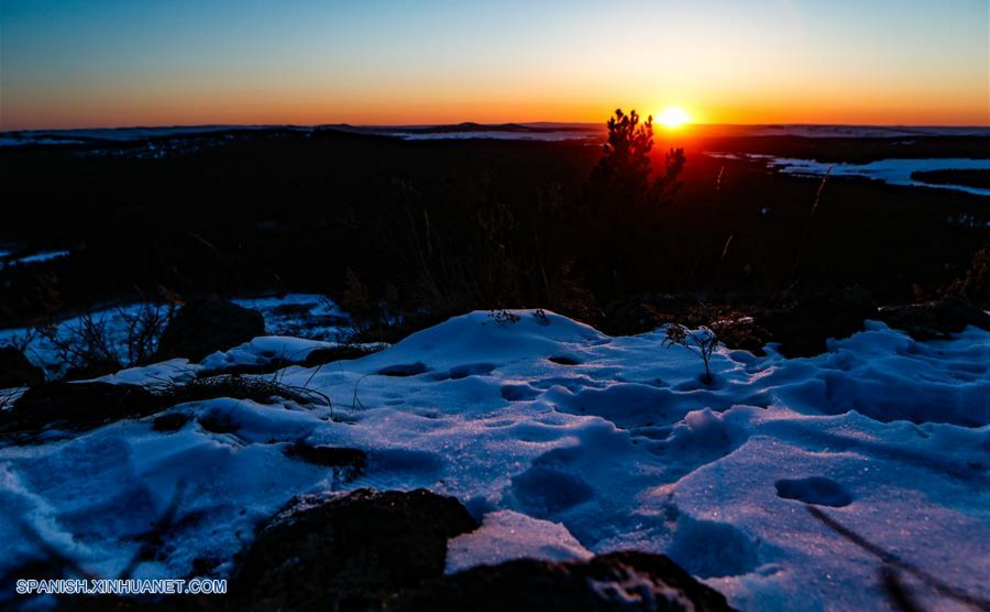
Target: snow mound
262	351
506	535
565	442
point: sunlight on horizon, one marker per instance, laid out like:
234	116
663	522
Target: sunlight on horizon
673	117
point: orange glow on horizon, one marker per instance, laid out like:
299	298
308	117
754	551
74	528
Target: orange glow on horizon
219	111
307	107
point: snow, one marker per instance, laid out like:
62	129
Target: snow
172	371
544	131
546	136
890	171
38	257
293	314
18	141
506	535
123	135
262	351
867	131
624	449
45	354
300	314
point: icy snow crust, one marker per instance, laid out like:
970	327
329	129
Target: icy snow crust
626	449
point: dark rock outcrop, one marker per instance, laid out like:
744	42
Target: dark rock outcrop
203	327
93	369
935	320
17	371
170	423
618	581
645	313
348	552
803	330
77	405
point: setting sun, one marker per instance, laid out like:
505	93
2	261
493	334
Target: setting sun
673	117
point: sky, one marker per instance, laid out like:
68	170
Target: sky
105	63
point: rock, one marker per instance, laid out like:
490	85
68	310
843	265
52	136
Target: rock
340	352
743	333
803	330
203	327
935	320
645	313
171	422
347	463
86	404
93	369
618	581
348	551
17	371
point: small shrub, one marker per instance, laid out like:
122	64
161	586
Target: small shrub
259	389
974	285
356	300
144	328
88	348
502	316
702	342
83	347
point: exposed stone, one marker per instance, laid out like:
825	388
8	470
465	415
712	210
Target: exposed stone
203	327
17	371
172	422
935	320
645	313
618	581
348	551
803	330
84	404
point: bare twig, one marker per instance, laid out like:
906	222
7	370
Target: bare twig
893	561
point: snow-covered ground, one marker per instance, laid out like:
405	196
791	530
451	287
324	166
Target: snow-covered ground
41	256
566	442
890	171
594	135
867	131
293	314
545	131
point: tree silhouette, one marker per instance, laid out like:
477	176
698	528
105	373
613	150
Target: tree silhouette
624	201
623	175
625	162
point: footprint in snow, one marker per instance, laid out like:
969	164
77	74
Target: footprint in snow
519	393
405	369
816	490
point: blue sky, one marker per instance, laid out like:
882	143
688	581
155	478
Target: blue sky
123	62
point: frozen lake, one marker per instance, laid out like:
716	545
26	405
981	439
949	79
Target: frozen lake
890	171
894	171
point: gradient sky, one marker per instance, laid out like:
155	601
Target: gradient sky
78	63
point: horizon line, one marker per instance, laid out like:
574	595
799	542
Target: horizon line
602	124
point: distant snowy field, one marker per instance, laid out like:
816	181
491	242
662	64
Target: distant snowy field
545	131
7	258
890	171
569	442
